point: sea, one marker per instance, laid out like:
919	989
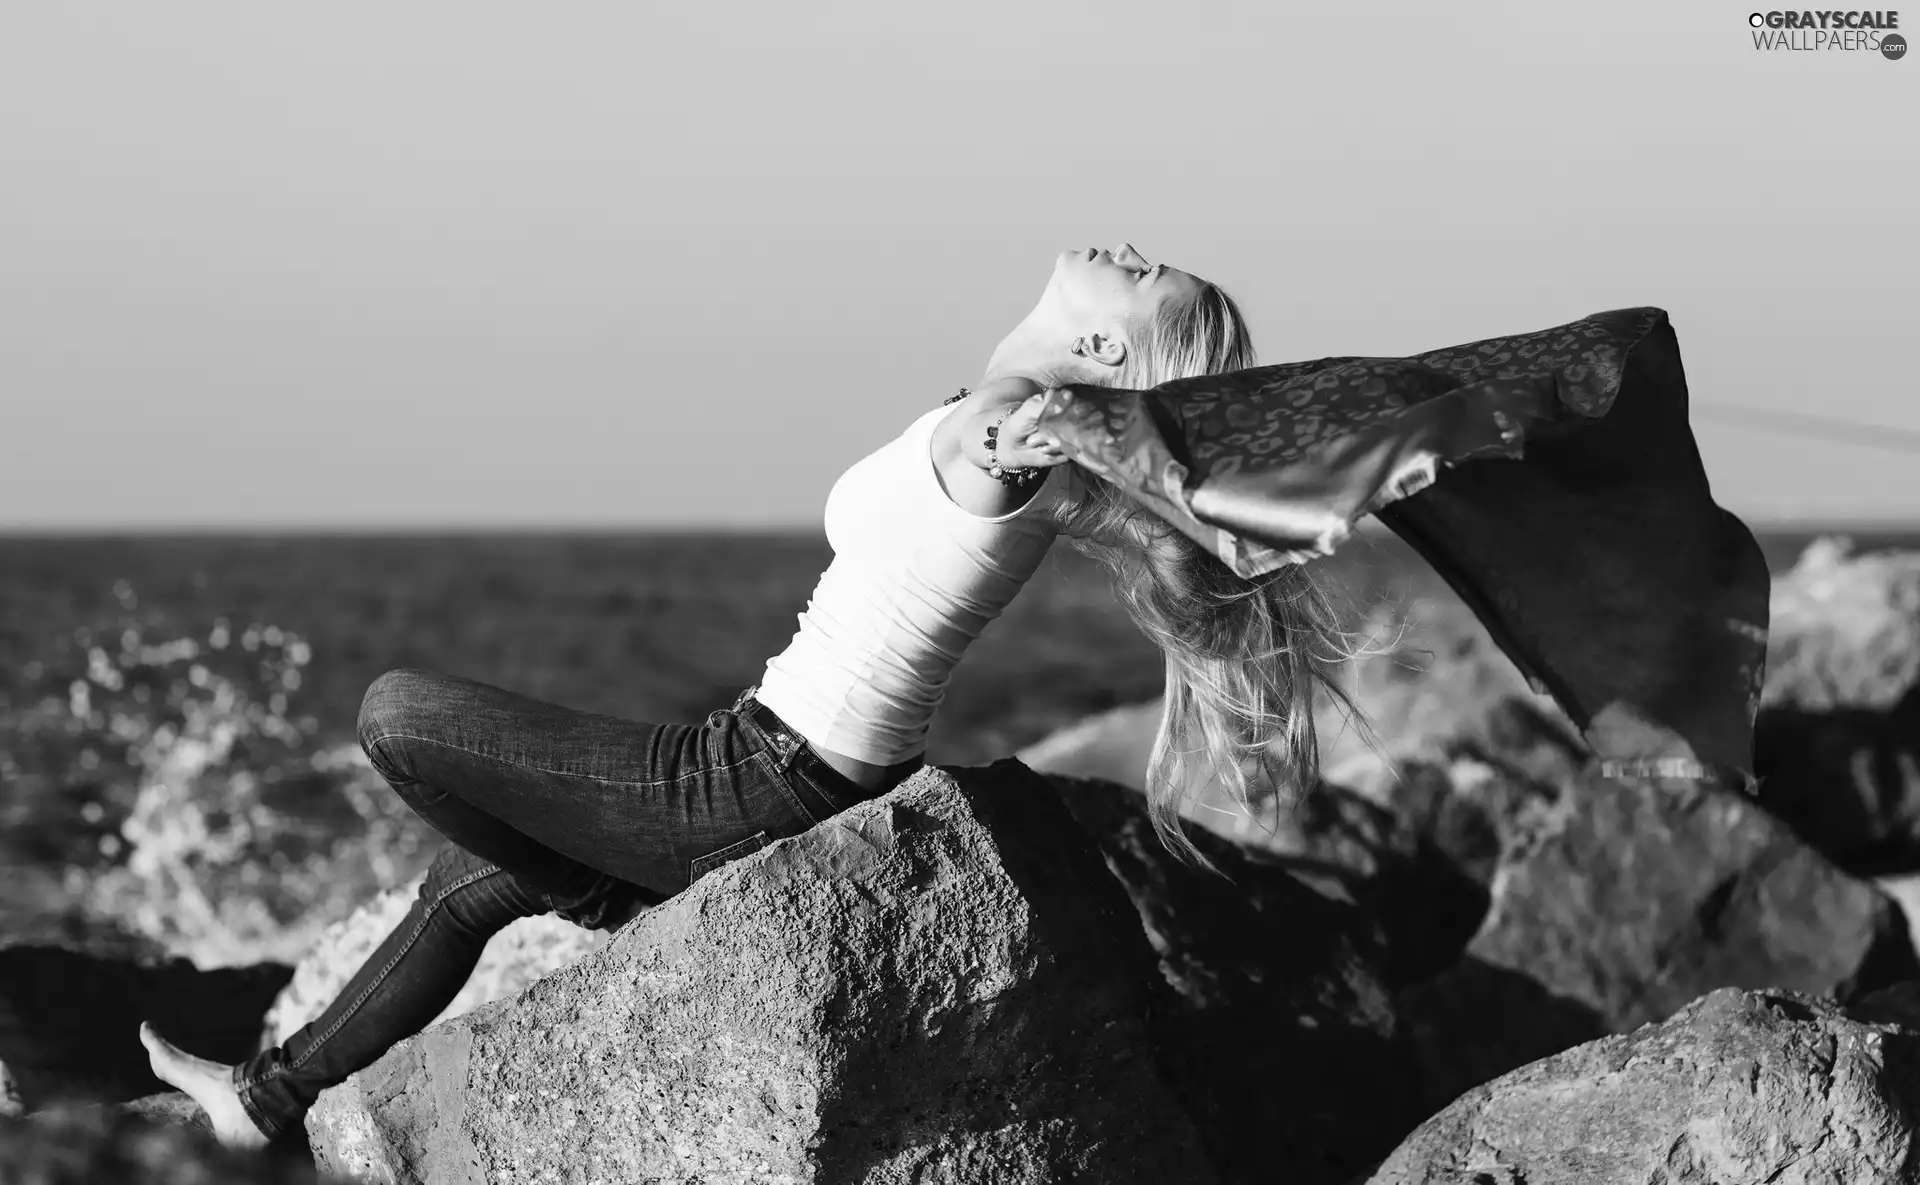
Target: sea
177	769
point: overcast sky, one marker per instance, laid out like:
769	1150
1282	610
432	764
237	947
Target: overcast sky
643	264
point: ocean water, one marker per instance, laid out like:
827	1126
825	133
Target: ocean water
176	713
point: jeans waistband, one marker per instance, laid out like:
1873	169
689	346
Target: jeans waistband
791	751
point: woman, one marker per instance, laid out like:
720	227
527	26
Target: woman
554	810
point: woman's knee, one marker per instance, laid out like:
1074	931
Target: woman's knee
391	712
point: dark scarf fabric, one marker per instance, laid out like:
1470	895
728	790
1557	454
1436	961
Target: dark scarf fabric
1551	478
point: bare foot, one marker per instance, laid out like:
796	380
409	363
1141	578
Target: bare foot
208	1083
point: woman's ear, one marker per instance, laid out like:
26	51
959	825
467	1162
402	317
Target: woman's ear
1103	348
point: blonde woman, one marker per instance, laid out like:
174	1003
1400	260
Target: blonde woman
548	809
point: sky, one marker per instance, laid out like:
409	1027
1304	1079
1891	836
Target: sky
635	265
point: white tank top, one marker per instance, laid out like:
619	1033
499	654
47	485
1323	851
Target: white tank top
914	579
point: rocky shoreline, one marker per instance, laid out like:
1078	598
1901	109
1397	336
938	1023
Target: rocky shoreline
1469	958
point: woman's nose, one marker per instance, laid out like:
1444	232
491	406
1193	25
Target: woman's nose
1125	255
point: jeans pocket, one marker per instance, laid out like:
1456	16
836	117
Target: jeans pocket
733	851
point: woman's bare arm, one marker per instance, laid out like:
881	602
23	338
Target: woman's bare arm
960	453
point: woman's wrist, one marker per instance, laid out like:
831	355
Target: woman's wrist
1001	468
997	431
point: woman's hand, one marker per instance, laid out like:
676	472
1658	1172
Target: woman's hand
1022	443
1011	407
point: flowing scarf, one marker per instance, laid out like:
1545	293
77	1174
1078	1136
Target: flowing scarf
1551	478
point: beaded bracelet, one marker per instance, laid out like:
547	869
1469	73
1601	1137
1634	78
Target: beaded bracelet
1006	474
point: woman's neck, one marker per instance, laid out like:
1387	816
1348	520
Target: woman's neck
1023	357
1009	386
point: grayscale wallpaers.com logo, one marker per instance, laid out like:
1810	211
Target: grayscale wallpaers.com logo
1848	31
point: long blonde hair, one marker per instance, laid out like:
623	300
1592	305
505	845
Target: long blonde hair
1243	657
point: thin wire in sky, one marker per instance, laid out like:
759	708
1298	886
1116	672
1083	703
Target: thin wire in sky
1885	436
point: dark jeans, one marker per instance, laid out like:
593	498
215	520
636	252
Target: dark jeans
549	810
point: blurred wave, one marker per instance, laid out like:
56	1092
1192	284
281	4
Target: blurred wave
167	787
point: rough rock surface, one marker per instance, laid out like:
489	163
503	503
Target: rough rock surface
1635	897
1614	903
124	1145
70	1021
170	1106
1738	1086
1837	743
942	985
1270	977
518	955
1845	629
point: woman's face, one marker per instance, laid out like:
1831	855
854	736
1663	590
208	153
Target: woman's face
1094	289
1095	300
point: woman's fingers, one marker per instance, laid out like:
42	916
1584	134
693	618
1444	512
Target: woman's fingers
1037	458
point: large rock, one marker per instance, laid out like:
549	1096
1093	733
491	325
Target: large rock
1847	779
1418	843
1837	743
1905	892
1634	897
1895	1005
70	1021
1282	1041
941	985
514	958
1845	629
1614	903
1738	1086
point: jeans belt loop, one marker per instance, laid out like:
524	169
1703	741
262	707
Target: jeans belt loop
785	745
